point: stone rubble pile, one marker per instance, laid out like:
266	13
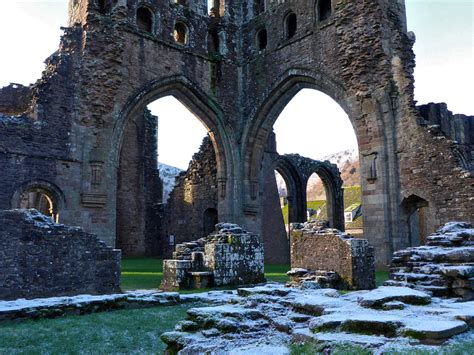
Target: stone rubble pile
380	320
230	256
328	258
444	267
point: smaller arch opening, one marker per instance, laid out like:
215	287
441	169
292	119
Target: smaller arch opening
262	39
291	25
181	33
181	2
104	6
145	19
41	200
324	9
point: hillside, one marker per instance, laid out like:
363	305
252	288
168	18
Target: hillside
168	174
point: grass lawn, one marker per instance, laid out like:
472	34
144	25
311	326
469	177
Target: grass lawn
126	331
146	273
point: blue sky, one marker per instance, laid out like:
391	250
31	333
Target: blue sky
29	32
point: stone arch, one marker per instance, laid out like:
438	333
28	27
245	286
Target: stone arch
181	33
45	192
334	193
290	24
261	39
323	10
145	19
141	238
296	193
201	105
275	100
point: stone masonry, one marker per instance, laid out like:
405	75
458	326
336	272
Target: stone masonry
230	256
331	258
444	267
41	259
67	132
191	211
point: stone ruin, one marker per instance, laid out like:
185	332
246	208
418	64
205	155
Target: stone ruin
39	258
444	267
230	256
327	258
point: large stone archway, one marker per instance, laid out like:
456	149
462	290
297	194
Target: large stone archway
110	66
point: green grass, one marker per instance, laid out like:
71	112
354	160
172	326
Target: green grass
380	277
123	331
146	273
141	273
277	272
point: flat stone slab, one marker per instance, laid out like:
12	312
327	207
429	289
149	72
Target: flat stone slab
434	329
270	289
376	298
219	312
304	335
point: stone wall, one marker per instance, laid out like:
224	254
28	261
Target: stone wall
41	259
191	211
106	72
315	248
457	128
140	189
15	99
230	256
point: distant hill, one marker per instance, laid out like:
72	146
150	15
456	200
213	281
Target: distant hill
168	174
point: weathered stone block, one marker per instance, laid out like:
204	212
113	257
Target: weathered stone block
352	259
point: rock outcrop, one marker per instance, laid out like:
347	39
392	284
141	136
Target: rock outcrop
445	266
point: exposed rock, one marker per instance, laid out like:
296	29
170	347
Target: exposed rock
382	295
444	267
435	329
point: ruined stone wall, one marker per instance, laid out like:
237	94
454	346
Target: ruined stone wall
14	99
108	69
139	189
324	249
229	256
457	128
42	259
195	193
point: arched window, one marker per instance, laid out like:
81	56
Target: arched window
40	199
262	40
290	25
145	19
324	9
181	33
